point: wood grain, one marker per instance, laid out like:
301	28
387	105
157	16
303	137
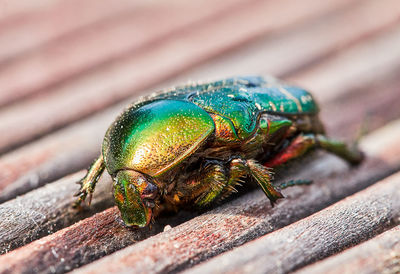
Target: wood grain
344	224
381	254
27	26
45	210
132	29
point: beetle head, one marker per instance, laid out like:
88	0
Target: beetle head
134	195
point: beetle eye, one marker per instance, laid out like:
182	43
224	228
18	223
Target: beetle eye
150	191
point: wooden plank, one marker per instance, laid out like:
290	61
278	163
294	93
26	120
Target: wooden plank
128	32
212	233
137	71
353	65
344	224
317	39
54	156
61	153
378	255
45	210
16	31
12	9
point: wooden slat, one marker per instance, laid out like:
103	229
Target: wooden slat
54	156
30	28
11	9
138	70
212	233
61	152
327	232
353	65
378	255
45	210
75	54
283	54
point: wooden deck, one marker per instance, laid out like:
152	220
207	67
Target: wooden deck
68	67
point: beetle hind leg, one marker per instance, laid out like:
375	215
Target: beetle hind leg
88	183
304	142
349	153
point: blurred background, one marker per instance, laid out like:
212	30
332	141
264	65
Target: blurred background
68	67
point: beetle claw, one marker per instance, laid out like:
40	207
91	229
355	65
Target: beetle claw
90	198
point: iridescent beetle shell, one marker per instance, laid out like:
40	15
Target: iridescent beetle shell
191	145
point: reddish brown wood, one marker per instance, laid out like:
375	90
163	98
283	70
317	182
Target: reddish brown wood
285	53
218	230
137	70
75	54
12	9
46	210
344	224
65	250
54	156
352	65
378	255
29	28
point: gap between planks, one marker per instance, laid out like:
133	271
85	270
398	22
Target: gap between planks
378	255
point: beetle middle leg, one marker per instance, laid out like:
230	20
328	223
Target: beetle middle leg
304	142
221	183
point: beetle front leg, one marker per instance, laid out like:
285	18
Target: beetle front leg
212	182
88	183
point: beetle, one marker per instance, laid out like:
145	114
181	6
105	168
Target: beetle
190	146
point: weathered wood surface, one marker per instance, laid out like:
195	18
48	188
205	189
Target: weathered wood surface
346	223
45	210
128	31
378	255
344	51
26	25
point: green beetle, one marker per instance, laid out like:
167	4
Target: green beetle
191	145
